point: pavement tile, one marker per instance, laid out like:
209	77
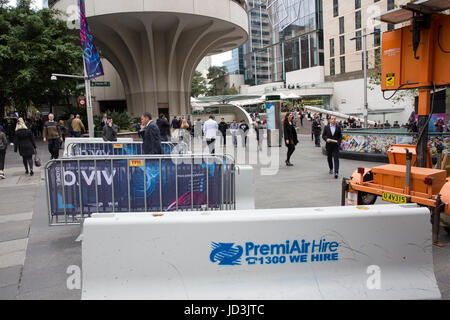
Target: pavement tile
10	276
8	293
15	217
14	230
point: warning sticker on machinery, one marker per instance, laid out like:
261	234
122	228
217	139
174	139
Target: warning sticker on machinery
390	79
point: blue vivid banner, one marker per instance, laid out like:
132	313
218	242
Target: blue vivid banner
94	67
102	185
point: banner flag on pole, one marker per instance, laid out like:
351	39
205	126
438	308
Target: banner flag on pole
94	67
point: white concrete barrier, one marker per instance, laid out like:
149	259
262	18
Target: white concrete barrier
245	188
376	252
68	141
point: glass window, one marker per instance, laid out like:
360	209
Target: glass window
331	47
341	25
358	40
335	8
357	4
342	65
342	44
358	20
376	37
332	67
390	4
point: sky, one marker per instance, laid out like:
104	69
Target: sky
37	3
218	59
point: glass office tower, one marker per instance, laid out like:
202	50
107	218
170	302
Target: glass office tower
236	64
284	36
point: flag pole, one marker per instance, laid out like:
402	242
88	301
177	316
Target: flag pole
90	114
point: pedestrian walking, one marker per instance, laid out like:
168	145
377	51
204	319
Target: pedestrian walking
152	138
69	125
223	127
52	135
198	129
290	137
332	135
164	126
184	134
3	147
110	130
77	126
316	130
259	134
243	127
10	130
210	128
234	129
24	142
104	121
63	129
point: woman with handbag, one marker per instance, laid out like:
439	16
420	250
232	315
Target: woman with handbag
290	137
24	141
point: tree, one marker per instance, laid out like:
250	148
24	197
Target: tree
216	79
33	45
231	91
198	85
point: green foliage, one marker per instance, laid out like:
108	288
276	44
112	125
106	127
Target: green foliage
216	79
198	85
122	119
33	45
231	91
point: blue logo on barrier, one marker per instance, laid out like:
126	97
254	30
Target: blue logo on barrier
226	254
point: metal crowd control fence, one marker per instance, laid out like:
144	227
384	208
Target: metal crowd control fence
80	186
118	149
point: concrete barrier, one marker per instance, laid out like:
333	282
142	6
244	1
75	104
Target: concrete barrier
376	252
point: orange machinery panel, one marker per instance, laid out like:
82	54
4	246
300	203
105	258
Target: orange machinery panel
397	154
394	175
399	66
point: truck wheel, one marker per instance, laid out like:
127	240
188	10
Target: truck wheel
367	199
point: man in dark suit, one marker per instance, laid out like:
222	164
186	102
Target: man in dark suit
332	135
152	138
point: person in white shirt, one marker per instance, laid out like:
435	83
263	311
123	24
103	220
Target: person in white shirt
210	128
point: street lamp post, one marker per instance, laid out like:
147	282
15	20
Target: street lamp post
87	87
366	105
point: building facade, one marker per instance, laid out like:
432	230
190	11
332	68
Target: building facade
236	64
346	21
284	36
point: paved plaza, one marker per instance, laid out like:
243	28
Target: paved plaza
34	257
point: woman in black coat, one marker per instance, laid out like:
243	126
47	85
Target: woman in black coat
24	141
290	136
